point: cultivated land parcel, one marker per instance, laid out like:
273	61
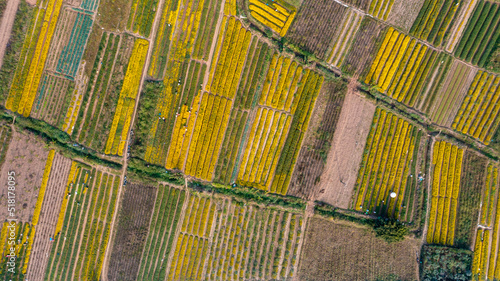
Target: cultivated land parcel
250	140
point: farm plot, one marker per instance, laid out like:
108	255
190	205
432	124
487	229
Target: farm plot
141	17
244	101
119	131
99	98
317	24
45	217
201	136
404	13
342	43
89	6
52	99
5	138
481	35
275	14
312	158
167	102
23	234
469	198
459	26
486	261
328	255
206	12
435	20
363	47
361	4
160	238
401	67
221	239
446	176
447	98
71	34
478	115
285	105
389	165
23	148
34	55
68	124
79	247
134	216
345	154
381	8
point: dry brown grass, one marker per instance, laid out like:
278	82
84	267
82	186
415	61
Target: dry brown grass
337	251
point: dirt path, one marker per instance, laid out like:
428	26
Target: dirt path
6	26
151	39
429	193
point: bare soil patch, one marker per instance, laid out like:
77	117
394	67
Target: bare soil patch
316	24
341	170
132	230
363	48
26	156
334	251
49	215
313	154
404	13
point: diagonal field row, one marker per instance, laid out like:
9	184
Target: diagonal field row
401	67
478	114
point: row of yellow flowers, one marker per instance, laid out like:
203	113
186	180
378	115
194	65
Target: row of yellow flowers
447	162
27	52
369	154
183	129
402	172
278	16
37	62
126	102
397	159
168	19
473	93
64	204
72	113
177	54
41	193
484	109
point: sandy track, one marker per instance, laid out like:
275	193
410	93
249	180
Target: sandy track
48	217
6	26
339	176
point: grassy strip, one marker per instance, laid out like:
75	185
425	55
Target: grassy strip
143	170
250	194
57	138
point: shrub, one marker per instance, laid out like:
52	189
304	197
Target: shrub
390	230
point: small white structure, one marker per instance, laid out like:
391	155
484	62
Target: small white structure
393	194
